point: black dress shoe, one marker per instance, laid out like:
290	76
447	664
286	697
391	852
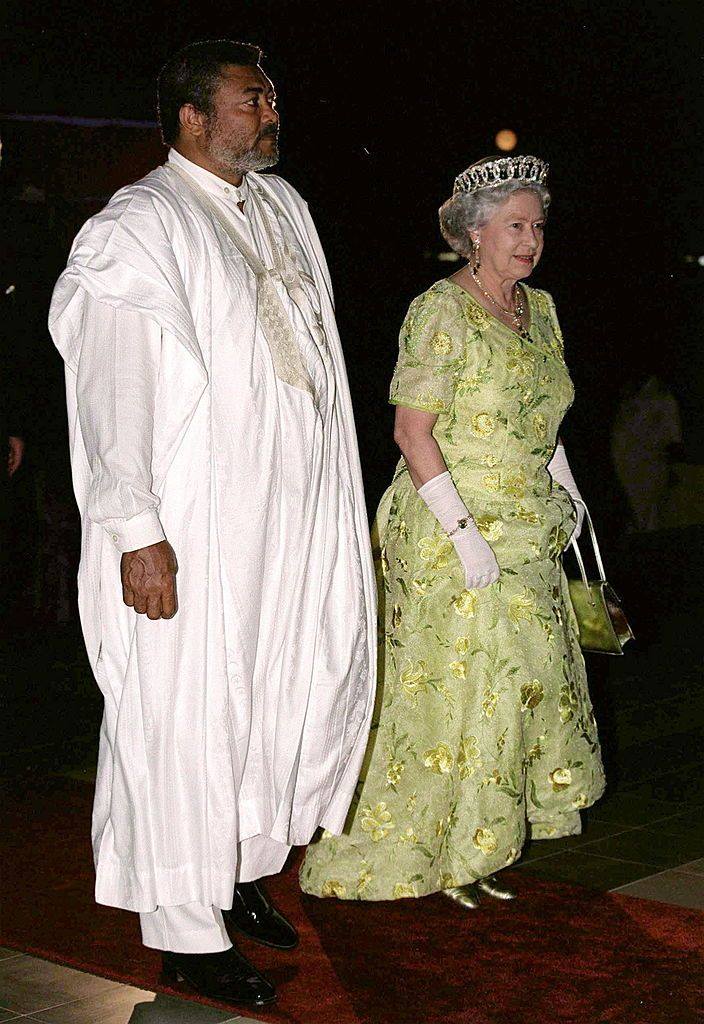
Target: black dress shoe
255	916
227	976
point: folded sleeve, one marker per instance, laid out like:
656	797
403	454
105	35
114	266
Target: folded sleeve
116	387
431	354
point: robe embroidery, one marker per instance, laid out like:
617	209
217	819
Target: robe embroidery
271	315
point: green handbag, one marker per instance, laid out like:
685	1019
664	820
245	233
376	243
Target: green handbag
603	626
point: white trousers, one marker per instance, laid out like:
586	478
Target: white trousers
190	928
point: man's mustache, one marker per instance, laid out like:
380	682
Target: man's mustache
274	130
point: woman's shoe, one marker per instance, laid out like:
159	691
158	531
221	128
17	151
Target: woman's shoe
491	886
466	895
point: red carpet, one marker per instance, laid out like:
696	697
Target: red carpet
559	954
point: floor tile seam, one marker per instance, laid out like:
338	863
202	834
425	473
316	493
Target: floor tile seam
646	878
683	867
684	837
604	839
662	823
624	860
533	860
579	846
646	830
81	999
26	1016
30	1015
646	825
553	856
692	813
544	856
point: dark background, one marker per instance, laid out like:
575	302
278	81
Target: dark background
381	107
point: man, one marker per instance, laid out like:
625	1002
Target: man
213	451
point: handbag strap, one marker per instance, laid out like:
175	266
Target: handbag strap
597	552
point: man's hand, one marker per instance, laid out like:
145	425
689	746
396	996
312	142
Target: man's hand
149	580
15	454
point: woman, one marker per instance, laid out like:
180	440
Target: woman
483	724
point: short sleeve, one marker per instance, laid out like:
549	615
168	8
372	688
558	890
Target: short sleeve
546	305
431	353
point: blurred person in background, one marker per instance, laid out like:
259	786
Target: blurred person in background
12	430
646	438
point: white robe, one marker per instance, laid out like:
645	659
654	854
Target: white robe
235	729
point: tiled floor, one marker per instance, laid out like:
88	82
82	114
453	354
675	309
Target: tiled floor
36	990
635	841
683	886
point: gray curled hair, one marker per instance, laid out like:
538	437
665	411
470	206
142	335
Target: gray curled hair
463	212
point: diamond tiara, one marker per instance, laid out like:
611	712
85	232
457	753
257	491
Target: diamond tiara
491	173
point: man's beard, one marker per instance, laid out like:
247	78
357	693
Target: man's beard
232	158
256	160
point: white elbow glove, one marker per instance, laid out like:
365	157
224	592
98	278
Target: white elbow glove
478	560
559	470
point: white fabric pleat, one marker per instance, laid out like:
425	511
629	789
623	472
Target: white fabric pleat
236	728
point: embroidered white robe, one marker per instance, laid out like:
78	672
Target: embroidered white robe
236	728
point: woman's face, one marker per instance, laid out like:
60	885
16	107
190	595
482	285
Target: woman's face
511	243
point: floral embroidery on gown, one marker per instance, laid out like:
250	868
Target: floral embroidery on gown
483	719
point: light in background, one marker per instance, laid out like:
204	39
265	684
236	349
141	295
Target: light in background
506	140
443	257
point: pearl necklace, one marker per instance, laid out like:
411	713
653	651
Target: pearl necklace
518	311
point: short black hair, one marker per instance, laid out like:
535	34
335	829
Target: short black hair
192	76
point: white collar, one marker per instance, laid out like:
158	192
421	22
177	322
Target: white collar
210	182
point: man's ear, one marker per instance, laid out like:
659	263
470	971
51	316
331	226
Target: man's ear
192	121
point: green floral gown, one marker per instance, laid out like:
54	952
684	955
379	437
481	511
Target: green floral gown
483	721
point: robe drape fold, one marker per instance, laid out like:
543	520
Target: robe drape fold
235	729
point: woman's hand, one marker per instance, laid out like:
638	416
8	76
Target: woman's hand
480	566
559	469
414	435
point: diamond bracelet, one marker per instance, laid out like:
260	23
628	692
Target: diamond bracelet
462	524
